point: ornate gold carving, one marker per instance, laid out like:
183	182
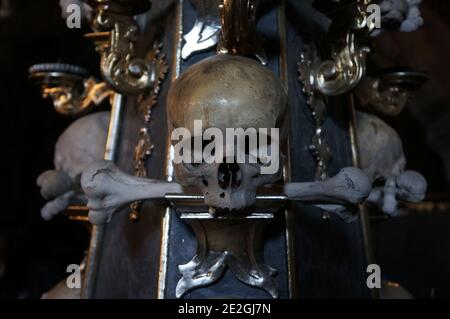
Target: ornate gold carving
146	102
317	104
142	151
116	35
348	59
72	93
67	101
344	71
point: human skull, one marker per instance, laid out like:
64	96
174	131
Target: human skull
223	92
380	147
383	160
81	144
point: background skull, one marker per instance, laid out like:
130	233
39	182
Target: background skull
380	147
227	91
383	160
81	144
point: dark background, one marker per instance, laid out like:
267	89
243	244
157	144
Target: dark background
36	252
412	250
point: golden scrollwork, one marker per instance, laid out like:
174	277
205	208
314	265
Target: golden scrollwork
347	65
318	106
146	102
116	35
71	90
70	102
344	71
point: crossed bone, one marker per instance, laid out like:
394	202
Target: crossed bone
108	189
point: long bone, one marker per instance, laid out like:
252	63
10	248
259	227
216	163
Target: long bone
350	186
107	189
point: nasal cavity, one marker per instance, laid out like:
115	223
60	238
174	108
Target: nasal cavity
229	175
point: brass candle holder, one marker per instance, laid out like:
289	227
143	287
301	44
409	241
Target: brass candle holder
70	87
